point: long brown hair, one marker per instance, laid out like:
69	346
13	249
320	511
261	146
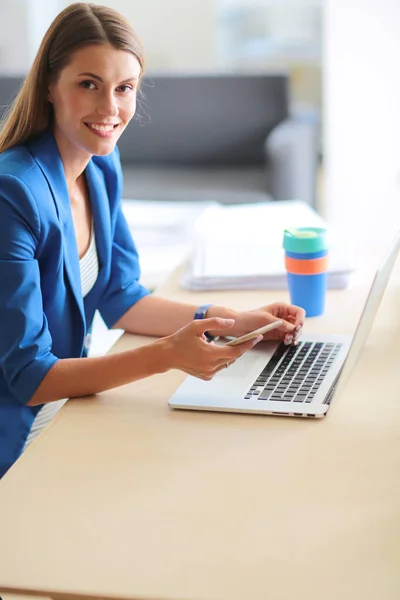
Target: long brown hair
78	25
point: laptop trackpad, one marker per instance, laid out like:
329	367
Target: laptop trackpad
243	366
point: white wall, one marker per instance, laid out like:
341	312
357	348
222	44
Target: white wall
362	114
14	49
176	34
22	26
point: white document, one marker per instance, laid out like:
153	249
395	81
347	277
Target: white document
163	233
240	247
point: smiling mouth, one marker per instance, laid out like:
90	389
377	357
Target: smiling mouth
101	128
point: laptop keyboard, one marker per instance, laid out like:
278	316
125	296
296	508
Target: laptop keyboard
294	374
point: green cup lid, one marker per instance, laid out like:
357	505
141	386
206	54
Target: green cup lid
304	239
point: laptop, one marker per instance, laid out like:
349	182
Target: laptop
292	381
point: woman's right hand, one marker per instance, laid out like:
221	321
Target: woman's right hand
188	349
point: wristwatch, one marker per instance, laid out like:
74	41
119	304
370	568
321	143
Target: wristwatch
201	313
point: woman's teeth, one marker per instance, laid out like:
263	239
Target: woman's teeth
100	127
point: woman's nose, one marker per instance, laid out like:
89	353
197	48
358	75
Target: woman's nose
108	106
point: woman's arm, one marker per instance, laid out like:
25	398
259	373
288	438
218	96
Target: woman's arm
72	377
186	350
157	316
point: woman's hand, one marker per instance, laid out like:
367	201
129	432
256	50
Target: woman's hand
292	317
189	351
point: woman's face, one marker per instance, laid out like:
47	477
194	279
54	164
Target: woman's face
94	99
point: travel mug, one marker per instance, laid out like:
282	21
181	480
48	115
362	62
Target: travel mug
306	262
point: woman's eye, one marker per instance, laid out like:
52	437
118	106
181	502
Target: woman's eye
125	88
89	85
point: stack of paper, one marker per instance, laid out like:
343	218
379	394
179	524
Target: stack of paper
163	233
240	247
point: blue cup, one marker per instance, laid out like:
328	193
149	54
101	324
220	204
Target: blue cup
306	260
309	292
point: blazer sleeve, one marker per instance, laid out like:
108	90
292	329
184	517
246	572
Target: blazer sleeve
123	289
25	341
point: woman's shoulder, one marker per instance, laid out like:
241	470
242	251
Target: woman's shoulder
18	174
16	161
19	178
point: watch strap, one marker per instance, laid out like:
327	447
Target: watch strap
201	313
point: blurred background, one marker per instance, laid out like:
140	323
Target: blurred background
341	56
194	35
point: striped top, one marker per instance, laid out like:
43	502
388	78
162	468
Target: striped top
89	266
89	269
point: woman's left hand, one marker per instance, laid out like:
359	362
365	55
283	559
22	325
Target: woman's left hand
292	317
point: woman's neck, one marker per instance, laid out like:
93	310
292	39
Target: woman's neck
74	159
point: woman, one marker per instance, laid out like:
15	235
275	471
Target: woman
65	248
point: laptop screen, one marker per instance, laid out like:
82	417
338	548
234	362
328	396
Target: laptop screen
370	309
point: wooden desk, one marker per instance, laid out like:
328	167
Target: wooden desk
124	498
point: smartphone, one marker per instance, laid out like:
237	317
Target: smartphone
254	334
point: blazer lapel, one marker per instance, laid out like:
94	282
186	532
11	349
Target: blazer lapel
46	154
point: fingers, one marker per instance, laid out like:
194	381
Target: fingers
228	355
233	352
287	326
242	349
202	325
222	358
297	314
300	315
293	338
293	320
290	312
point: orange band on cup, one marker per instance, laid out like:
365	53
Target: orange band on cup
302	266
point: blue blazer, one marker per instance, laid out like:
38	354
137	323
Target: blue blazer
43	316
